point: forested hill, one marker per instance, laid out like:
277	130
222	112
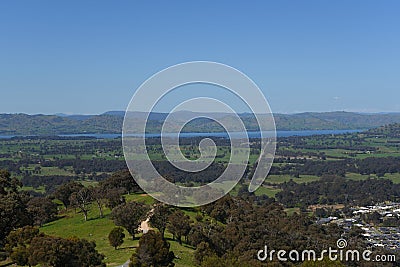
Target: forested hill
111	122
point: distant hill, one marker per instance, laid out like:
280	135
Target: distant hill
387	131
334	120
23	124
111	122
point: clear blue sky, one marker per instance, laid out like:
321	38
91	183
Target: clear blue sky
89	56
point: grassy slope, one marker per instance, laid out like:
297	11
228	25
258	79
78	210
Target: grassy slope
97	229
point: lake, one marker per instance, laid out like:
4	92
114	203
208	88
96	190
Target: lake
223	135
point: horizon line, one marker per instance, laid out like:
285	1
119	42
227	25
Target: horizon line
67	114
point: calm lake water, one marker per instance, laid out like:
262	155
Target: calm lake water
223	135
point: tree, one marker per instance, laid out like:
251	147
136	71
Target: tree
203	250
8	184
179	225
81	200
18	242
121	179
214	261
42	210
325	262
114	197
153	250
99	196
64	192
60	252
116	237
12	206
129	216
27	246
220	209
20	256
159	217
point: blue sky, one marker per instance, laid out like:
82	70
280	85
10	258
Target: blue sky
90	56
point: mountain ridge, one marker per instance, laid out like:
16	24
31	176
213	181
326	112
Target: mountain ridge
111	122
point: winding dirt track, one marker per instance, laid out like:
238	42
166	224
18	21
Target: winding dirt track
144	225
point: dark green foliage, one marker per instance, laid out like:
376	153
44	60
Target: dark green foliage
18	243
50	182
173	174
179	225
203	250
153	250
325	262
64	192
159	217
60	252
116	237
334	190
121	179
215	261
42	210
114	197
130	215
249	227
87	166
8	185
26	246
20	256
220	209
21	237
13	207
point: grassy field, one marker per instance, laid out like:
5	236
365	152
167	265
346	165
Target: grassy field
270	191
278	179
95	229
290	211
40	189
144	198
45	171
395	177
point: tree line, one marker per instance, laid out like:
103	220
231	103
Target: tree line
373	165
338	190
